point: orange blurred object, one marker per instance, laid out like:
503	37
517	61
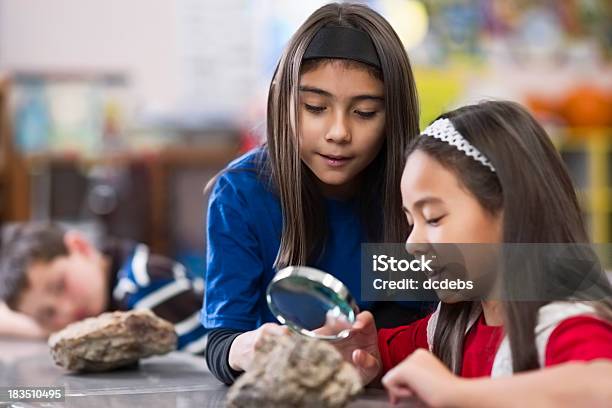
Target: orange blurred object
587	106
546	110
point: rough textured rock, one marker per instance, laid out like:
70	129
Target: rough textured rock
293	371
112	340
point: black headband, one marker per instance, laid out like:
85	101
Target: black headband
344	43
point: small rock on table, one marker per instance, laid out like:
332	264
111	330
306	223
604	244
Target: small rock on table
112	340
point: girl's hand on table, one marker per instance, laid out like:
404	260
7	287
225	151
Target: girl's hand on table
423	376
243	347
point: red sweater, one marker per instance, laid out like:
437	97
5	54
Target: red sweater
580	338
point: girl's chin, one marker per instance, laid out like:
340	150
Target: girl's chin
334	183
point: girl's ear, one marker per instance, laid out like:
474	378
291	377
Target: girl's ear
77	243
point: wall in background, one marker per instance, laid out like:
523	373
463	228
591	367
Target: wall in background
134	36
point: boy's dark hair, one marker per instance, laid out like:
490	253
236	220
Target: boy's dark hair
23	245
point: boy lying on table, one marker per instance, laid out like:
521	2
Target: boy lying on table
57	277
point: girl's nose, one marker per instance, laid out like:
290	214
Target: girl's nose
416	245
339	131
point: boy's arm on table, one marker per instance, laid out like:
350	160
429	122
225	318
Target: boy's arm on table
15	324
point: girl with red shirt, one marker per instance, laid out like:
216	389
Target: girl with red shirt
488	173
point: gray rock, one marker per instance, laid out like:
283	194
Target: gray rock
112	340
293	371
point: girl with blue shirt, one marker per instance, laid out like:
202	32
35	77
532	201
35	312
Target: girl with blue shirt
342	107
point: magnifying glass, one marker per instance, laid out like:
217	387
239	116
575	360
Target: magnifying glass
312	303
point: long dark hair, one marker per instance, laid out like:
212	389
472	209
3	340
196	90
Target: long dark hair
533	188
301	203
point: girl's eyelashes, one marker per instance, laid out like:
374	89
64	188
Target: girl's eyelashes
366	115
314	108
434	221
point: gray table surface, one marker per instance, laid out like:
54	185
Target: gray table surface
175	380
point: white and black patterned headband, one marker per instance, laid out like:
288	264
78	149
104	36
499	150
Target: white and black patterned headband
443	129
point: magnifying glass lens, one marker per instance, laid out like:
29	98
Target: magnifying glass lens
312	303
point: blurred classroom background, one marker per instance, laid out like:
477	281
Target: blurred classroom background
114	114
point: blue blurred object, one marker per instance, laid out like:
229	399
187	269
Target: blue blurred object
32	122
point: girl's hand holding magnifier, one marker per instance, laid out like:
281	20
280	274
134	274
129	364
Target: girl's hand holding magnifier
361	348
